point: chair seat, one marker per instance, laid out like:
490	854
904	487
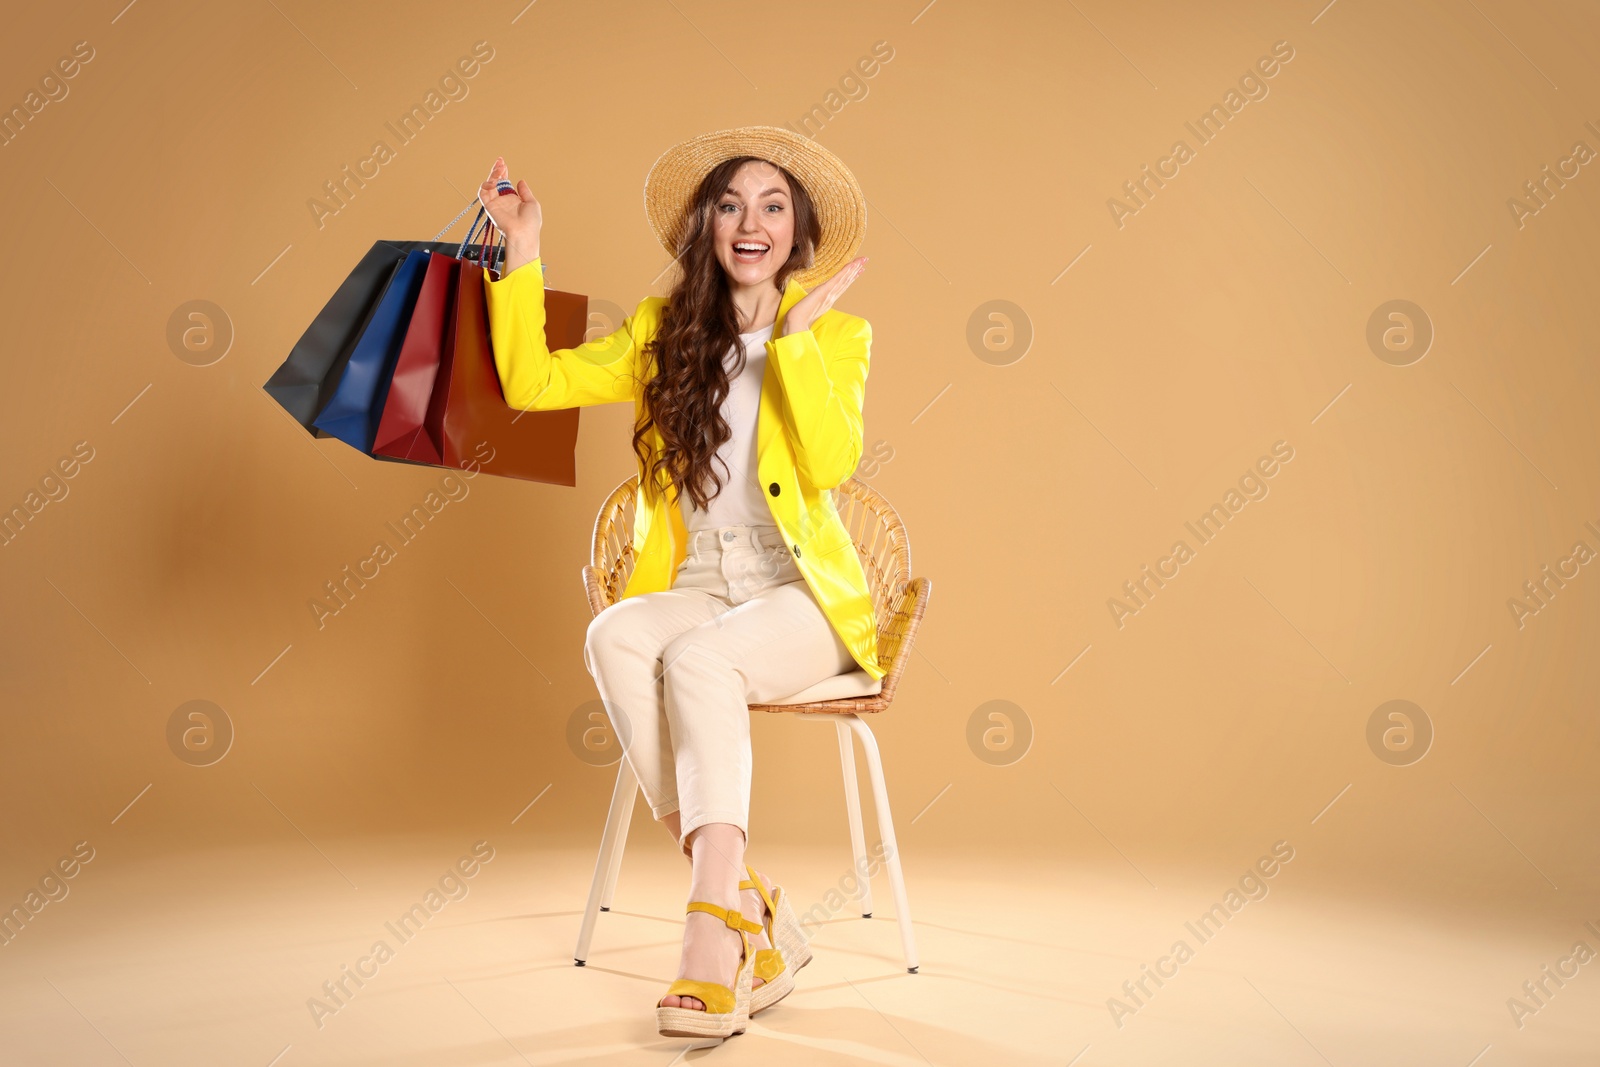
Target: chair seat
856	683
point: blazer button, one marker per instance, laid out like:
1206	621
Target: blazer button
797	550
773	488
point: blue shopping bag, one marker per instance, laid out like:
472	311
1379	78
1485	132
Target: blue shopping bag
353	412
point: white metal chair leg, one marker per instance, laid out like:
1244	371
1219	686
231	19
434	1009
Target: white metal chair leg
852	803
610	853
616	855
880	797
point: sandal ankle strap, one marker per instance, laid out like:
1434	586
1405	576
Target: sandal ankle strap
731	918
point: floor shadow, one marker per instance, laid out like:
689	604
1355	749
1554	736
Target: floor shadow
1031	943
513	918
895	1039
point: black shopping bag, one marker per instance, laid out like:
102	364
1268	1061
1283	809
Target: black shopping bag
306	381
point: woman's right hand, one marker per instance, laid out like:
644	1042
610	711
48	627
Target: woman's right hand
517	215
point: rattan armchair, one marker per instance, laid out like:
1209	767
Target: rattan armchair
898	604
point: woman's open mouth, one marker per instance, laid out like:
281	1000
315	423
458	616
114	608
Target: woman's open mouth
749	251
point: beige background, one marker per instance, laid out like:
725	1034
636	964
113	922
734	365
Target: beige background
1230	312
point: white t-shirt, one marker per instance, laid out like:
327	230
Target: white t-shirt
741	500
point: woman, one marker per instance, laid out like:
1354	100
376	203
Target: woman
746	588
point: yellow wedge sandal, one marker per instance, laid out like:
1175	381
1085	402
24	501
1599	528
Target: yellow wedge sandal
776	966
726	1010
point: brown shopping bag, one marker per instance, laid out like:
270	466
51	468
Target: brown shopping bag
468	415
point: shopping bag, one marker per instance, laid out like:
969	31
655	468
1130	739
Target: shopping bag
353	411
305	381
402	431
472	420
405	326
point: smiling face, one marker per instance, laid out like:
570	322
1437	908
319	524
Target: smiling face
753	224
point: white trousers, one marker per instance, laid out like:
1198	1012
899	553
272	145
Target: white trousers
678	669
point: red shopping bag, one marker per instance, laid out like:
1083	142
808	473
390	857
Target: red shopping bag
402	431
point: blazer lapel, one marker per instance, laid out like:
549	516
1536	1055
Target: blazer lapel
769	417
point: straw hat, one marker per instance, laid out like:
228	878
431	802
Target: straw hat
841	207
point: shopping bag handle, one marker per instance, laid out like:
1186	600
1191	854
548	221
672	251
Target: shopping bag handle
487	240
502	187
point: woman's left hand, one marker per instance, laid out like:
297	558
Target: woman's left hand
820	299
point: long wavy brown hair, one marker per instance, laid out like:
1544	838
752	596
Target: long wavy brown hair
683	398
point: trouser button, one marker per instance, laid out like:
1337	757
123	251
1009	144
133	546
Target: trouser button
727	535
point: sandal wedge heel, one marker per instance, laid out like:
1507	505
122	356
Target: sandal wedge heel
778	965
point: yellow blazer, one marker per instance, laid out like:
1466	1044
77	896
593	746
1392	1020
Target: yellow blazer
808	434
